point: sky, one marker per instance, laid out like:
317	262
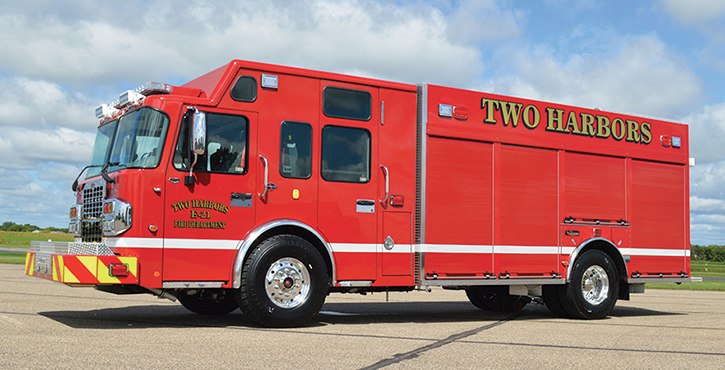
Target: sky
59	60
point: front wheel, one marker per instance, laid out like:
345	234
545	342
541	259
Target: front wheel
593	287
284	282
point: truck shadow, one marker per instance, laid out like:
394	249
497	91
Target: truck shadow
165	316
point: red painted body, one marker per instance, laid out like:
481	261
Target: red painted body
495	190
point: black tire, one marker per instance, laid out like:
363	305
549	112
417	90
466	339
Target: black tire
553	296
284	282
593	286
208	301
496	298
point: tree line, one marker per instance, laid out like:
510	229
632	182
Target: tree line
714	253
12	226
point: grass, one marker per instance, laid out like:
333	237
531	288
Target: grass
12	258
704	285
701	269
708	266
21	240
16	239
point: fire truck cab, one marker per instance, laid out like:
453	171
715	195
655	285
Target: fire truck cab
265	188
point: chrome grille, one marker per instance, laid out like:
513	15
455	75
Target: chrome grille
92	201
91	221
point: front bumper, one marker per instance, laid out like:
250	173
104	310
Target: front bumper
53	262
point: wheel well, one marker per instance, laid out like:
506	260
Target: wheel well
302	233
616	256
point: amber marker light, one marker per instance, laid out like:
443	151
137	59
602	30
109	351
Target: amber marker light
153	228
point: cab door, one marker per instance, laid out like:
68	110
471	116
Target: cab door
348	199
205	221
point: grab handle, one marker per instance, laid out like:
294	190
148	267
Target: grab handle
387	184
266	176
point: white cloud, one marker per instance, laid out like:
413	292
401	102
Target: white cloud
28	147
707	203
475	21
628	74
707	134
194	38
32	103
695	12
698	204
708	180
27	200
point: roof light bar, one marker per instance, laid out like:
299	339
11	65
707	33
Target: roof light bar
128	97
106	110
153	88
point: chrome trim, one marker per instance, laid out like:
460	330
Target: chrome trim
476	282
256	233
121	218
423	157
92	249
266	176
191	284
48	247
386	174
576	251
288	282
382	112
664	280
595	285
356	283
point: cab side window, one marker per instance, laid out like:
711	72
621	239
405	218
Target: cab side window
226	145
295	150
345	154
346	103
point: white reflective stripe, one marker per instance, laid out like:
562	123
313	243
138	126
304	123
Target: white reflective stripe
202	244
525	249
354	247
134	242
567	250
652	252
172	243
456	248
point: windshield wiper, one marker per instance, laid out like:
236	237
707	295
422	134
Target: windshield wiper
103	173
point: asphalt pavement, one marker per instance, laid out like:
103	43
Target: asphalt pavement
49	325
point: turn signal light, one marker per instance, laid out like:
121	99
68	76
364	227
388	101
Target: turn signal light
118	269
397	200
460	113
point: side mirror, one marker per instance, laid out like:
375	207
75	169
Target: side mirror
198	142
198	135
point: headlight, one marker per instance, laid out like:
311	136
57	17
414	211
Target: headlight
117	216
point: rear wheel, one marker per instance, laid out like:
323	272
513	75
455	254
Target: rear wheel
284	282
593	287
208	301
496	298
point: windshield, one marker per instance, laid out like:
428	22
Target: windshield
134	141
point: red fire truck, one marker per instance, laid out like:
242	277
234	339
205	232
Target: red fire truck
265	188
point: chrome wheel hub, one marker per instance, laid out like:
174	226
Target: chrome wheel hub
288	282
595	285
